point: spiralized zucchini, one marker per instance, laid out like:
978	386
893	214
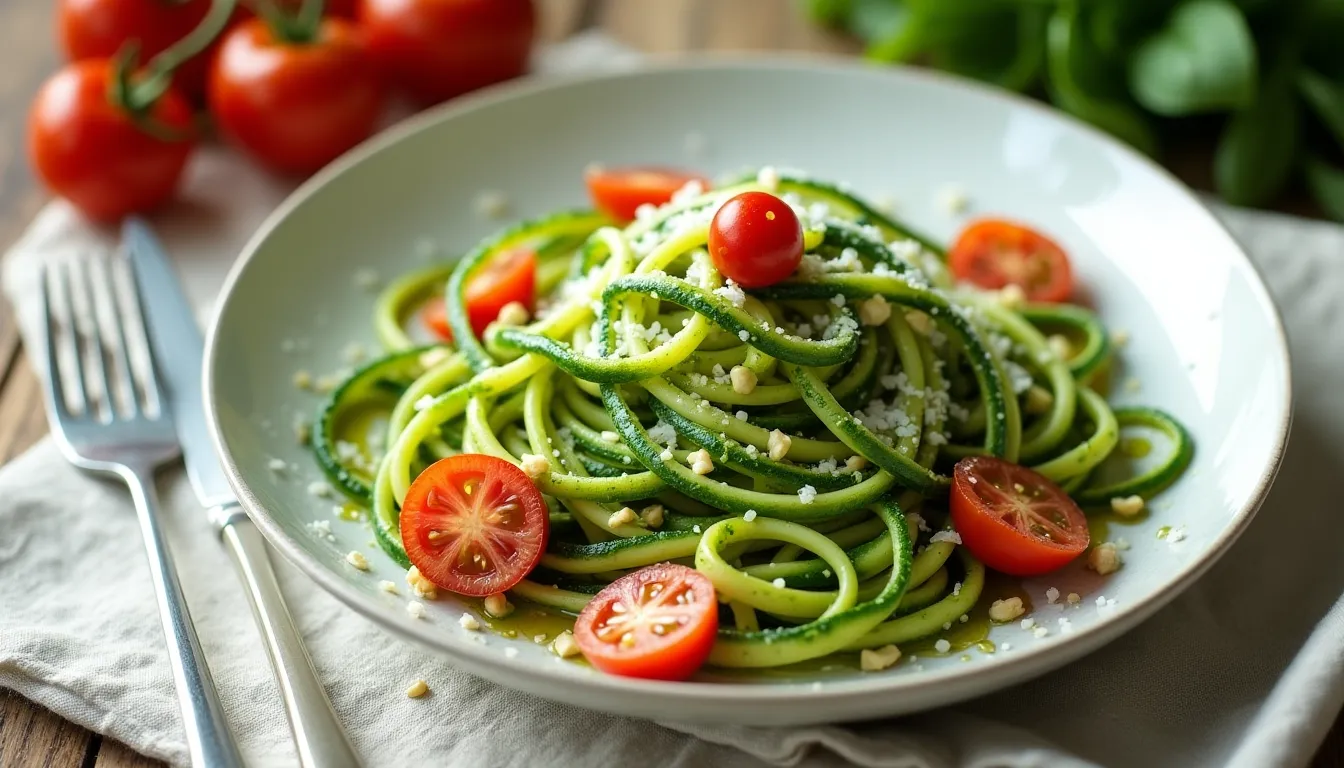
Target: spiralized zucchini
830	407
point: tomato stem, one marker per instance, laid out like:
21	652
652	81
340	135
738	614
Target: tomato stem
298	28
137	95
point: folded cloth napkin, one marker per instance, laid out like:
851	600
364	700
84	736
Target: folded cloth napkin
1245	669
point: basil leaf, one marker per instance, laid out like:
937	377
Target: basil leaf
1325	99
832	13
1078	79
1203	60
1327	186
1258	148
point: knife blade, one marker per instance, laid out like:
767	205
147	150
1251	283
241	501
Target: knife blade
178	346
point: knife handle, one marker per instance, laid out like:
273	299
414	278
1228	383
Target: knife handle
318	735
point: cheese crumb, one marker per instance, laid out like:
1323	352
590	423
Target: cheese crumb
878	659
1011	296
416	610
807	494
1039	400
564	645
952	199
652	515
467	621
942	646
358	560
303	380
497	605
1052	595
513	313
277	465
492	204
951	536
418	688
624	516
1006	610
701	463
535	466
319	488
1060	346
779	444
1104	559
749	515
768	177
874	311
421	587
778	583
610	437
1120	337
1128	506
743	378
432	357
390	587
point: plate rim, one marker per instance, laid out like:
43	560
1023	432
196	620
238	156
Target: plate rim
935	686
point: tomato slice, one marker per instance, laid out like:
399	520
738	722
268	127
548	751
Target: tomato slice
508	277
993	253
756	239
1014	519
474	524
618	192
657	623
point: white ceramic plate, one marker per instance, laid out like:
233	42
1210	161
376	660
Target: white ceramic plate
1206	343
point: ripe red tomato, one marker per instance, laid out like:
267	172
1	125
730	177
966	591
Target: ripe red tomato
89	151
657	623
992	253
96	29
756	239
508	277
437	49
1014	519
295	106
474	524
619	192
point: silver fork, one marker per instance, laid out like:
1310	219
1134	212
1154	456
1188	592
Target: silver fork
106	412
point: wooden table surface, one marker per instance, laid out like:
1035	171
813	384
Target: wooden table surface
32	736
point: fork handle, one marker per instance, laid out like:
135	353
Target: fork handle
209	740
321	741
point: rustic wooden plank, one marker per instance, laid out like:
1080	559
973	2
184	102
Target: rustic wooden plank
114	754
22	419
33	737
28	55
659	26
558	19
745	25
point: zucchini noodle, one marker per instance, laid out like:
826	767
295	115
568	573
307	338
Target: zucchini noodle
794	443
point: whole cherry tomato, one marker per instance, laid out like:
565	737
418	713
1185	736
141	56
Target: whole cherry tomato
756	239
438	49
295	105
92	151
97	29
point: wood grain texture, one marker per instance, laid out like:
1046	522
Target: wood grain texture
33	736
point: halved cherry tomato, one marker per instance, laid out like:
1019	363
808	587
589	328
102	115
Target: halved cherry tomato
437	49
756	239
1014	519
474	524
657	623
508	277
93	153
618	192
993	253
295	105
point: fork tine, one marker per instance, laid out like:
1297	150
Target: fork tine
117	366
136	336
51	326
97	386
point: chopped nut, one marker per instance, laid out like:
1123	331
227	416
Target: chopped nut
623	516
743	378
652	515
610	437
1039	400
420	586
564	645
1073	598
874	311
358	560
1104	559
535	466
416	610
468	622
497	605
390	587
855	463
877	659
1007	609
701	463
779	444
1128	506
513	313
418	688
919	321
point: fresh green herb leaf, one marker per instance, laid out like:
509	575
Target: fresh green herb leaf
1326	99
1259	146
832	13
1327	186
1203	60
882	20
1075	77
